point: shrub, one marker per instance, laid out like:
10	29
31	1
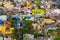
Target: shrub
22	32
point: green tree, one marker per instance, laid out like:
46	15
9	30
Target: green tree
12	0
55	19
13	22
58	6
57	38
38	2
58	30
50	32
23	31
14	34
28	23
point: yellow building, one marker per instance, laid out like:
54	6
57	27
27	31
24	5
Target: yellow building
28	4
38	11
4	31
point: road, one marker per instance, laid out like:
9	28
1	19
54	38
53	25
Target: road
9	38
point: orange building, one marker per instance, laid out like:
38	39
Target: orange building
47	21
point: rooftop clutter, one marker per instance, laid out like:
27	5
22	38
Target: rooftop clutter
27	14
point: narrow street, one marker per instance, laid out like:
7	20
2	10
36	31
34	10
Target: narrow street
42	38
9	38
